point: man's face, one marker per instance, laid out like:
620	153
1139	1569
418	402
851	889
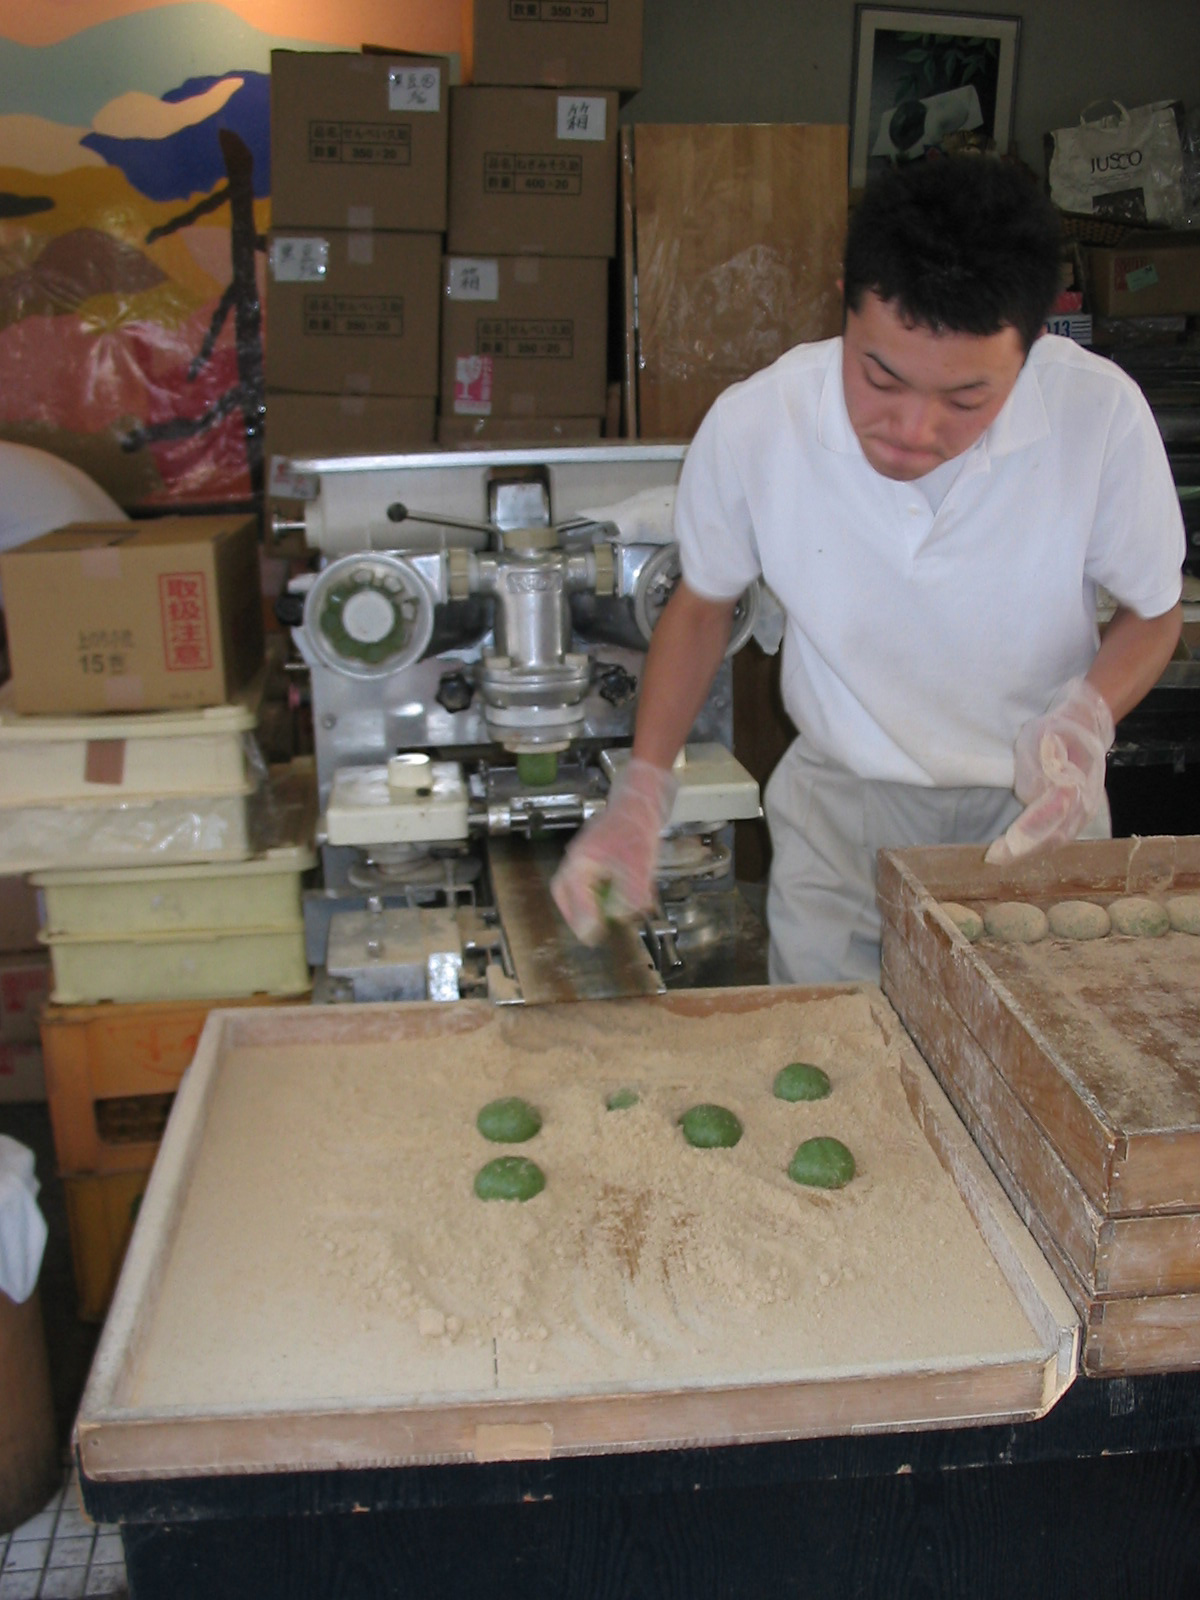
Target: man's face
917	398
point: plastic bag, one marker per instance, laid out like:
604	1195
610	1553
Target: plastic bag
1127	165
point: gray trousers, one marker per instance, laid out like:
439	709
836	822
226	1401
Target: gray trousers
826	827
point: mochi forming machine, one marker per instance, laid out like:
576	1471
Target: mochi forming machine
474	639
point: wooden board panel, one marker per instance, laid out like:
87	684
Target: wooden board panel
738	239
391	1414
1119	1103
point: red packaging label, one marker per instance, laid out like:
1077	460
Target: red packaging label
187	643
473	386
23	989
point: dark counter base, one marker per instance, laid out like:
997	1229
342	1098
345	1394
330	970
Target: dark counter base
1099	1499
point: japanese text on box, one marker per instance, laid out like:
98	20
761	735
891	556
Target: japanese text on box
187	644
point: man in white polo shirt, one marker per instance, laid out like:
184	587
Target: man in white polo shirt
934	498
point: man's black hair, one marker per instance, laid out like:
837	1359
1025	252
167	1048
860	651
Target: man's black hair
965	244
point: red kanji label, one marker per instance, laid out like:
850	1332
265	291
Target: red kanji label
187	643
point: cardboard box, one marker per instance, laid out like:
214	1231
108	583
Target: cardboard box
134	616
358	141
524	336
353	313
22	1074
533	172
556	42
1157	275
24	990
482	433
304	426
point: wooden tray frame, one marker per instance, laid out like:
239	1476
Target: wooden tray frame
1122	1175
1134	1278
116	1441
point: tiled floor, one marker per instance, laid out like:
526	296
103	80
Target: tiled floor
60	1555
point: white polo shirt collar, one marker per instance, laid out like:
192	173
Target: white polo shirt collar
1022	420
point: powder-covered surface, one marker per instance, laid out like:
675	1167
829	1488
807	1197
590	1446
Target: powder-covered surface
331	1249
1122	1014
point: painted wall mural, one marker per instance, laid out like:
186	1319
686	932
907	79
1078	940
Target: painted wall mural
134	207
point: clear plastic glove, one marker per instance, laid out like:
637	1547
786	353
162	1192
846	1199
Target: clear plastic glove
608	869
1059	772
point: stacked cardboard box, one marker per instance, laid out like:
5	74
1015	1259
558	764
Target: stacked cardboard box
358	217
129	784
532	215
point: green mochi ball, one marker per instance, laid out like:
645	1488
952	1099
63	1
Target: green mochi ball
710	1127
508	1121
509	1178
801	1081
621	1099
822	1163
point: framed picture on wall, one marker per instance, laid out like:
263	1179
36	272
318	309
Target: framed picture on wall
929	80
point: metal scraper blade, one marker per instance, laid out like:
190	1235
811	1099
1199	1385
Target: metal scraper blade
550	963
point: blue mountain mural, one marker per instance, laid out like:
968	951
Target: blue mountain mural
189	162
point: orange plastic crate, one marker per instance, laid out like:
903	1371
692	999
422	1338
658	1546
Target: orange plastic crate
111	1074
101	1213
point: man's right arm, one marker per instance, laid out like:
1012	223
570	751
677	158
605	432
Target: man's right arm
686	648
609	866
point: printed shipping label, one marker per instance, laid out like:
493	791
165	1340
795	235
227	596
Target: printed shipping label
369	143
187	640
525	338
473	386
354	316
505	172
558	10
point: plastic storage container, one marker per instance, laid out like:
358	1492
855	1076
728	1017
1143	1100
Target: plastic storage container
112	790
194	965
263	892
178	933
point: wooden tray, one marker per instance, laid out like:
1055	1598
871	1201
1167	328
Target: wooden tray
360	1412
1096	1147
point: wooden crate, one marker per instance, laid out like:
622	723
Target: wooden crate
111	1075
1082	1092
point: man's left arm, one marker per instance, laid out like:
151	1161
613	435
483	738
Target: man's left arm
1133	652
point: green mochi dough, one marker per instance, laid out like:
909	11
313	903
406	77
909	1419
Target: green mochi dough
508	1121
822	1163
621	1099
710	1127
509	1178
537	768
801	1081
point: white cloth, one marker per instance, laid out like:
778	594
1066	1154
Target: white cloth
39	492
22	1226
918	641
